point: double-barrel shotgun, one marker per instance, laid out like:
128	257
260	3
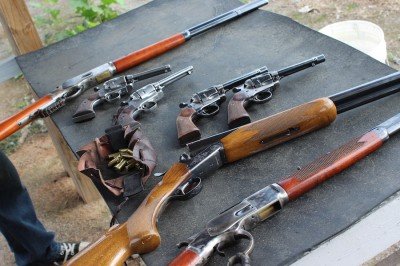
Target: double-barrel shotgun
139	234
234	223
75	86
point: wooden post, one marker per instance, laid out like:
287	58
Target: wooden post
19	26
24	38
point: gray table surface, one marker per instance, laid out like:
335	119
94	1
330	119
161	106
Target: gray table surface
261	38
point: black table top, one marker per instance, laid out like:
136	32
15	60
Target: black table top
261	38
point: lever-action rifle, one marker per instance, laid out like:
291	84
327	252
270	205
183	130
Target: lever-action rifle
234	223
139	234
256	86
111	91
145	99
75	86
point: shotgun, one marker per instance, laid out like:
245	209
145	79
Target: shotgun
75	86
256	86
235	223
139	234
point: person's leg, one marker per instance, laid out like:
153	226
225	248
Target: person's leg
25	234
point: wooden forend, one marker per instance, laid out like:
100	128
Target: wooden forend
273	130
330	164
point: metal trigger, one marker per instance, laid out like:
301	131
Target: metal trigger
188	190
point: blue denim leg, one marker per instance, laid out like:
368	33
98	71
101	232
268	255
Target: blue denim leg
25	234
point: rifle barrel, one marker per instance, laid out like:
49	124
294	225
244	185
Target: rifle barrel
230	15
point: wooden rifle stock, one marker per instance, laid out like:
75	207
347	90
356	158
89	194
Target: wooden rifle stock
139	234
111	249
273	130
14	123
187	258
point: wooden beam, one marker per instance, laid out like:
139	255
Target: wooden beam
24	38
85	187
19	26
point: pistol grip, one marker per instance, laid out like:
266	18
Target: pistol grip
237	114
187	130
85	111
125	116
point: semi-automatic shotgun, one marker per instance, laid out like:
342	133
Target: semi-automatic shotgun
75	86
183	180
235	223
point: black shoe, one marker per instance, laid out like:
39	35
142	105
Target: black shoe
67	250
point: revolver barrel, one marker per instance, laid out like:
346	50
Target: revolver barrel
301	66
174	77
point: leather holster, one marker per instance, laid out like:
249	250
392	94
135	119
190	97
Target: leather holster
93	161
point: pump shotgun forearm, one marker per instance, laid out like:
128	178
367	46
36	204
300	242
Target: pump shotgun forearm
75	86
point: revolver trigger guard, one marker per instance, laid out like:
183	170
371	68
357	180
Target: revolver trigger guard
149	106
188	190
209	110
262	96
243	257
112	97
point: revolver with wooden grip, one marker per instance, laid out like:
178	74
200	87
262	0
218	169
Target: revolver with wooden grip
140	234
256	86
145	99
111	91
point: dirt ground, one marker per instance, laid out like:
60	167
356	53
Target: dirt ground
54	196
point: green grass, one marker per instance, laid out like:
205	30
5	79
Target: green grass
10	144
352	6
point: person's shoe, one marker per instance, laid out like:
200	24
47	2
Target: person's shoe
67	250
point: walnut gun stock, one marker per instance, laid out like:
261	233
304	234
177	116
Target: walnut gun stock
260	89
236	222
183	180
111	91
77	85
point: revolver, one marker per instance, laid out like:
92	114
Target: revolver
259	89
111	91
206	104
145	99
